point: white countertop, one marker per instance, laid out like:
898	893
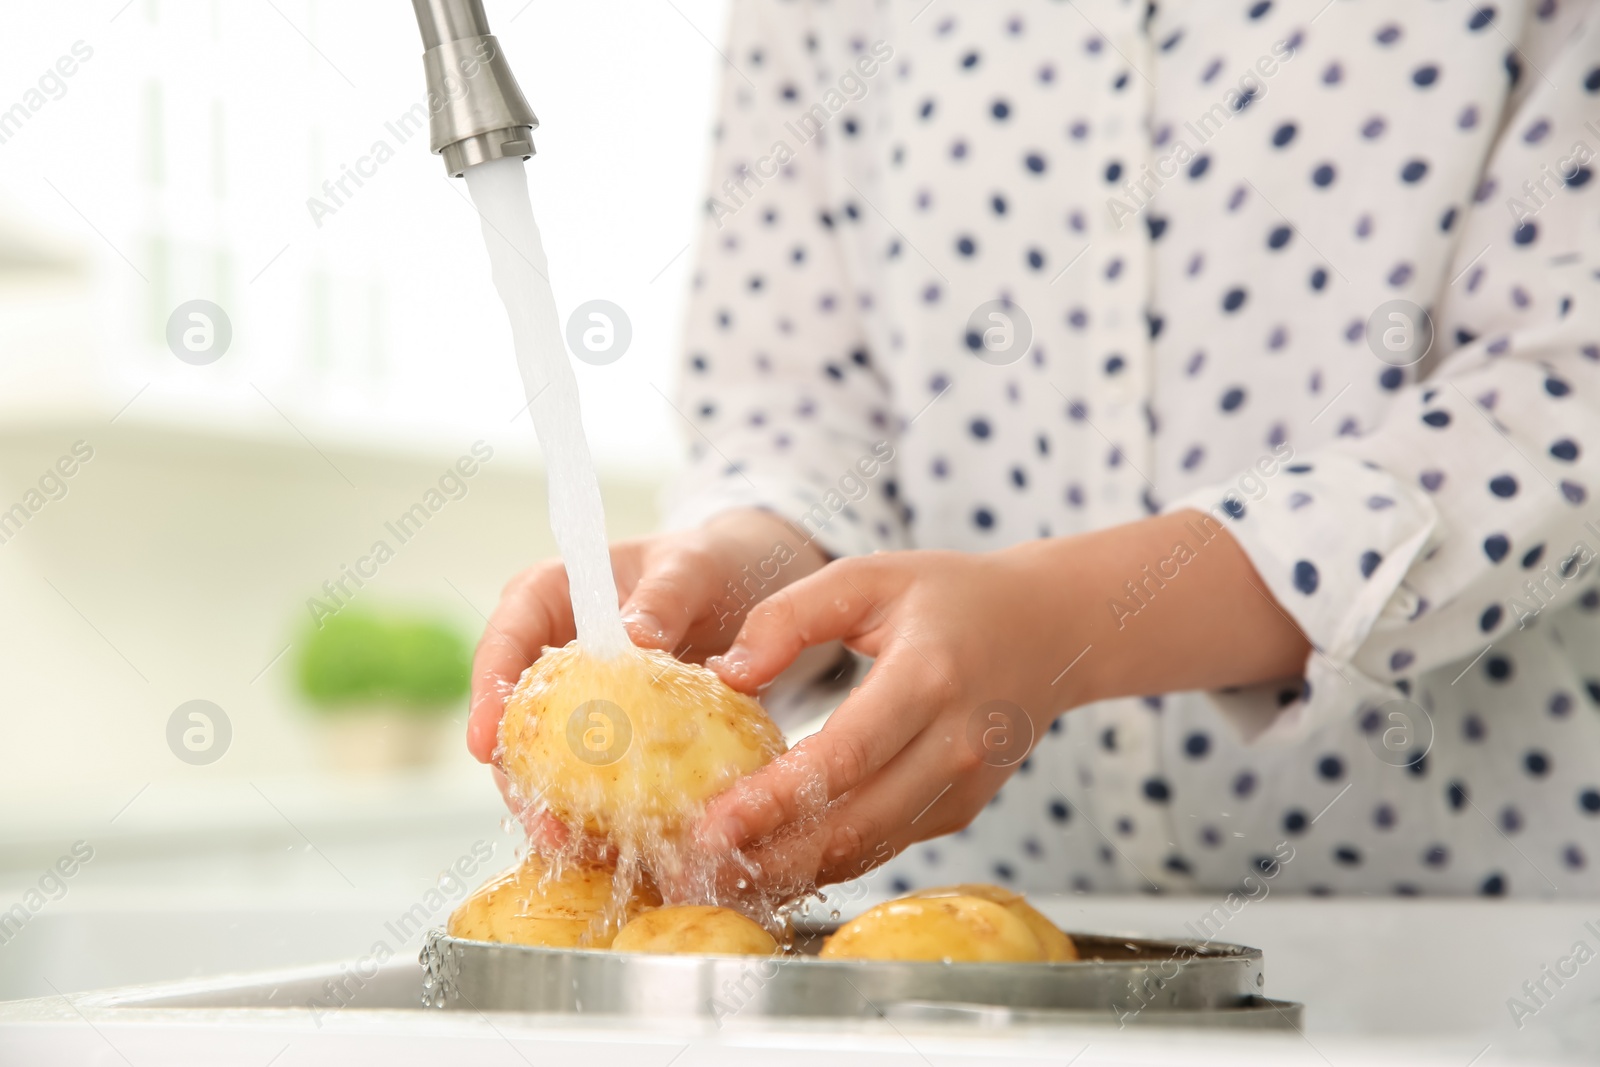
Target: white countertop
247	877
290	1039
1383	981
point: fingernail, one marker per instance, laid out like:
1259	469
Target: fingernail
735	661
646	625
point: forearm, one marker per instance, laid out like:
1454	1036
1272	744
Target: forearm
1161	605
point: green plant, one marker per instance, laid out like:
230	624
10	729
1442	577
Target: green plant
362	659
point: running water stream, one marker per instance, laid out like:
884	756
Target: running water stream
499	190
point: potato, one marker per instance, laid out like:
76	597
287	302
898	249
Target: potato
1057	946
961	928
520	907
694	929
632	747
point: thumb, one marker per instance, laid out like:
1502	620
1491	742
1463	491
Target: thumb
826	606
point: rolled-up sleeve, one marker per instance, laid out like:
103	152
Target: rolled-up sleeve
1469	511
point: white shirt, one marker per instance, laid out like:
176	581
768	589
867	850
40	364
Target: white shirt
1194	217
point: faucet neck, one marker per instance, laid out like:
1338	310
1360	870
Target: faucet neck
476	110
450	20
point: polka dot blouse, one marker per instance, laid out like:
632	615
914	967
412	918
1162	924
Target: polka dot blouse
1075	264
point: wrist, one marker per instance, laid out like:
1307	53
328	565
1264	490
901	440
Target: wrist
1055	611
1160	605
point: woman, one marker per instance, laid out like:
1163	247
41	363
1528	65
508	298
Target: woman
1088	343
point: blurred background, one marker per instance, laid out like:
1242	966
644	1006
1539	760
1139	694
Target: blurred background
208	504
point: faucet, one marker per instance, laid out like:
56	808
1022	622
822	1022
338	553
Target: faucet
489	118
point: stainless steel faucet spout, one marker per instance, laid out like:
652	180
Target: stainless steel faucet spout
476	110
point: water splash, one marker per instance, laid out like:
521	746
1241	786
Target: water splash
440	970
662	854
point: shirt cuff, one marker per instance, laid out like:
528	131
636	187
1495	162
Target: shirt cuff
1332	537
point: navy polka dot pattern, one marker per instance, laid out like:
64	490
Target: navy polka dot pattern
1195	209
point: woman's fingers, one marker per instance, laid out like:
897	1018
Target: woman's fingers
534	611
676	588
928	790
925	791
875	722
839	602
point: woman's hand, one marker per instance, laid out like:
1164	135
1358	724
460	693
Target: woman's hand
950	633
675	595
975	655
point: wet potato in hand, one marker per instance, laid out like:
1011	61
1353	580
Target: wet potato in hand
628	747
